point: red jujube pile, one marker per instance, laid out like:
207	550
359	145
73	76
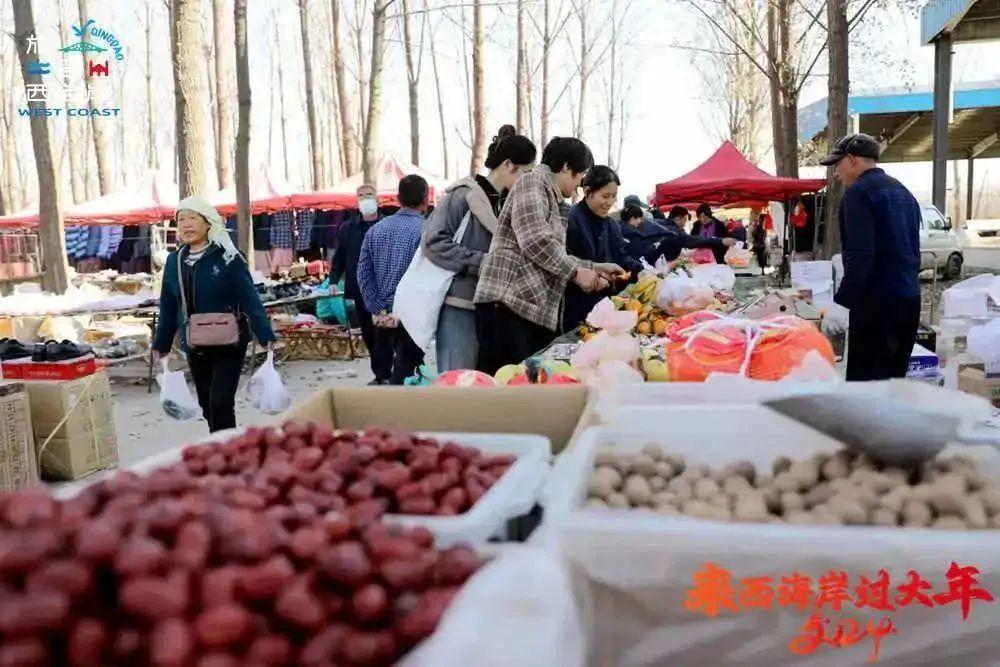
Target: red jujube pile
264	550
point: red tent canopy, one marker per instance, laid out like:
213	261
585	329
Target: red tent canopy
153	199
268	194
388	171
728	177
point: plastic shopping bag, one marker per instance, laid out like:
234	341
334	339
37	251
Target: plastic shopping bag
266	391
984	344
680	294
175	396
738	256
421	292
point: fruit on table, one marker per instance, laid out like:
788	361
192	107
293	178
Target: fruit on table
194	568
655	370
837	488
508	373
465	378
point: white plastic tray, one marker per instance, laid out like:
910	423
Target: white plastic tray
513	495
640	565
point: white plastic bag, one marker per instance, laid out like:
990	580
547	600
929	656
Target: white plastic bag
421	292
175	396
836	319
984	344
679	294
266	391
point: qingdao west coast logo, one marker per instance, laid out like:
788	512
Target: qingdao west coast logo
83	86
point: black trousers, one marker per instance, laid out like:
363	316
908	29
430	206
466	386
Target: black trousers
379	352
881	337
404	354
505	337
216	374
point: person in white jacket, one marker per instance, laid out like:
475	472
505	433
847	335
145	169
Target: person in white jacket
478	198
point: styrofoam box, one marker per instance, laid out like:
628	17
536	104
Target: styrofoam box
513	495
639	565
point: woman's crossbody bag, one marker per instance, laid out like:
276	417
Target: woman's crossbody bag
207	329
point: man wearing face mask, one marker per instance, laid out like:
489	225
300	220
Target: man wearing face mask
345	265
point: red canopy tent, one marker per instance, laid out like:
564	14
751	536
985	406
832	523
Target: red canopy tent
153	199
388	171
728	178
267	195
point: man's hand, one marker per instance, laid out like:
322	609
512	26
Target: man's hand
729	243
587	279
609	269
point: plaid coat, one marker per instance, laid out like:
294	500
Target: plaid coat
527	267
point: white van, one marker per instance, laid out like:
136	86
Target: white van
939	243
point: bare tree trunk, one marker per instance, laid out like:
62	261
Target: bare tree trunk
244	232
50	230
546	50
78	188
789	91
314	148
440	104
373	124
412	81
478	103
581	12
520	83
281	98
836	114
98	127
223	101
349	158
153	160
612	100
774	83
190	97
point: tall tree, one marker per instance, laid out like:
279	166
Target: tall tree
77	186
373	120
521	83
244	233
152	159
223	100
440	103
49	211
413	77
281	94
584	65
189	96
836	113
348	142
478	102
314	147
546	51
98	126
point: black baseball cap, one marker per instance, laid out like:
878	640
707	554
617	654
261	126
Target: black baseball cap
859	145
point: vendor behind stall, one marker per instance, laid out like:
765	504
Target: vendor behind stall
642	236
677	239
592	235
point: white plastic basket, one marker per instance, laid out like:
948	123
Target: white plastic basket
512	496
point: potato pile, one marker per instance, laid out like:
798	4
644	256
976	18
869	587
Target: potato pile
842	488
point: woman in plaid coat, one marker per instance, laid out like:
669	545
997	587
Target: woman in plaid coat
523	278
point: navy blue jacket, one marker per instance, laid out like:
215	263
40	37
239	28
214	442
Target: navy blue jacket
880	235
345	257
643	242
596	239
211	286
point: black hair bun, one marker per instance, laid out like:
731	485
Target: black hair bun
504	132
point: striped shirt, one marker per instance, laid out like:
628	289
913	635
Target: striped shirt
385	254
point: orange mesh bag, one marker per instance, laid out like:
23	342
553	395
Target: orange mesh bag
784	341
707	348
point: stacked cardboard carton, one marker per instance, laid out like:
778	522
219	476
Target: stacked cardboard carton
74	426
17	446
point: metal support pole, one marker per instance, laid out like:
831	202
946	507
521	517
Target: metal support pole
968	188
942	117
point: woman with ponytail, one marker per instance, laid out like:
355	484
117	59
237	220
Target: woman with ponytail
457	237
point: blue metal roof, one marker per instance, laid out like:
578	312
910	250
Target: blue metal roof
937	15
812	118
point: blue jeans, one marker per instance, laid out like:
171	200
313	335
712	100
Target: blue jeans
457	345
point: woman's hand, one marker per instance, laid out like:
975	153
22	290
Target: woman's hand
609	270
589	280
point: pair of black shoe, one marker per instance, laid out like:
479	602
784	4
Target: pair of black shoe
13	349
59	351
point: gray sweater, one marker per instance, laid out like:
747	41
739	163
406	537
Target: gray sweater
464	197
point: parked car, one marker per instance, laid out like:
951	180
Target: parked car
980	240
939	243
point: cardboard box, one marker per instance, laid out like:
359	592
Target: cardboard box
18	466
82	454
73	424
973	379
557	412
26	369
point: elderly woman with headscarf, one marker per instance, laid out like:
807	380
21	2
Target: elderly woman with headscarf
209	297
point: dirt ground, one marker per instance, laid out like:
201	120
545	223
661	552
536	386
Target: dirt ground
144	429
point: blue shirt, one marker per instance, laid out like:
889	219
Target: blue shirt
385	253
281	229
880	235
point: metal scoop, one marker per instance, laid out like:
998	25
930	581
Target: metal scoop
885	429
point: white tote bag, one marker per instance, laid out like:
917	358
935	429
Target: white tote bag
421	293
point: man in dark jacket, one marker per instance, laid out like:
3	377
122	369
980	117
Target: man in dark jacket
880	233
642	237
345	265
